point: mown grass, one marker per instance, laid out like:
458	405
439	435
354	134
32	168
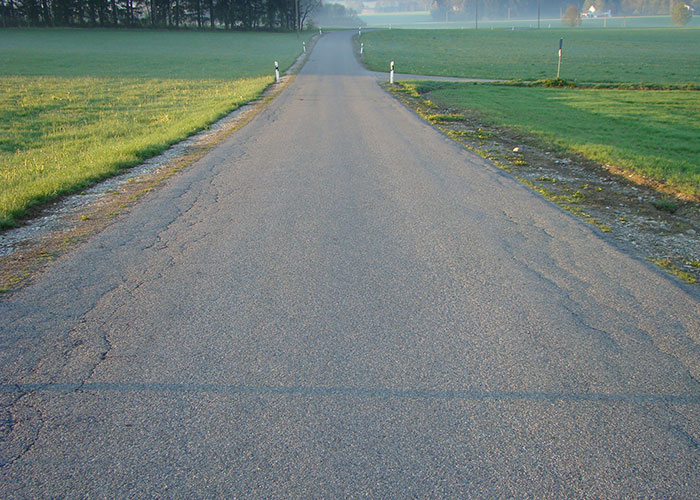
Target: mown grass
79	105
188	55
652	133
641	56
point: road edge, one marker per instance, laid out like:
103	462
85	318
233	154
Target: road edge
31	256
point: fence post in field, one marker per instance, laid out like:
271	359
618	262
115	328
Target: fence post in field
391	74
277	72
561	41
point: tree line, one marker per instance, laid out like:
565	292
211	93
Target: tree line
279	14
229	14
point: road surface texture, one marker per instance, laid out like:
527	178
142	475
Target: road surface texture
340	302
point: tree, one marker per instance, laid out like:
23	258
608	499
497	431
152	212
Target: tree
681	15
306	8
572	16
334	14
232	14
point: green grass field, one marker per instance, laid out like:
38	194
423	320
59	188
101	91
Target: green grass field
646	56
79	105
655	133
652	133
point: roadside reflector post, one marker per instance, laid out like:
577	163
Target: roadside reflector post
391	74
277	72
320	31
359	31
561	42
362	48
303	44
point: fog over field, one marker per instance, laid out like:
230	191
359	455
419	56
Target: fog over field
454	10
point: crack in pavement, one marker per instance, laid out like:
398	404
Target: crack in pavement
10	437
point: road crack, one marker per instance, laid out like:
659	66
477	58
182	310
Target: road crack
20	426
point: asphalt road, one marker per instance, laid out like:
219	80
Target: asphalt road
340	302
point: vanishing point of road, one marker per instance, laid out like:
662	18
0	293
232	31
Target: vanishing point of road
340	302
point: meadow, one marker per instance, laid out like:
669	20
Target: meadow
78	105
640	56
655	133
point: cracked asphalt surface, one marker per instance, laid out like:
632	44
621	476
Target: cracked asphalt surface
340	302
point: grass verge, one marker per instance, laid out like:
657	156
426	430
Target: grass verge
17	268
662	56
653	134
60	135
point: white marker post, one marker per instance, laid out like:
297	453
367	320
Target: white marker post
391	74
561	41
320	31
362	48
277	72
303	44
359	31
